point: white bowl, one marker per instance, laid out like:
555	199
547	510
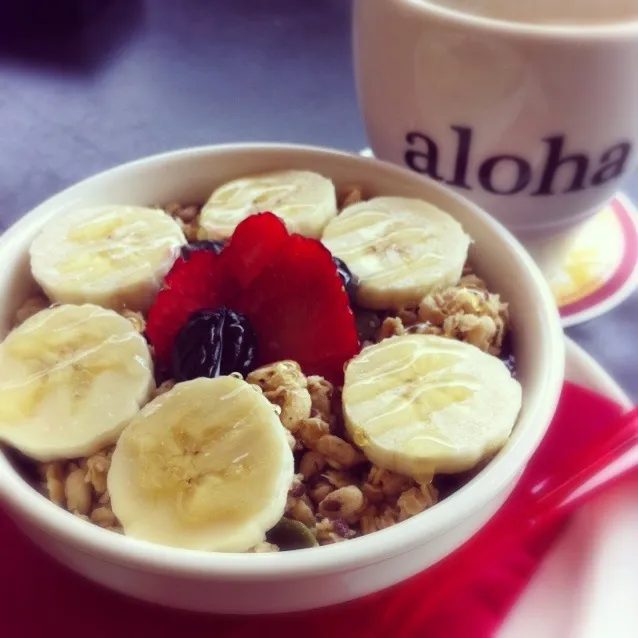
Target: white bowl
305	579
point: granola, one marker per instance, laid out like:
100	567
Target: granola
80	487
337	494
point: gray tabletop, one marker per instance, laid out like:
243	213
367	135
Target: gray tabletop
87	84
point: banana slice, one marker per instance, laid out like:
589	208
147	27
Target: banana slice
205	466
399	249
305	201
113	256
420	404
71	378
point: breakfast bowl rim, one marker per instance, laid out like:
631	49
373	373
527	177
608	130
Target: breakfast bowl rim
487	486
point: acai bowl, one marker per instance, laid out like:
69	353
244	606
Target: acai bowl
253	443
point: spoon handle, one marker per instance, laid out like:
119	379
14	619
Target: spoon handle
606	460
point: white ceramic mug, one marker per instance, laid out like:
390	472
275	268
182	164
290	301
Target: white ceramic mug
536	123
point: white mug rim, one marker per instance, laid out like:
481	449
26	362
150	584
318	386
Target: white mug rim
570	33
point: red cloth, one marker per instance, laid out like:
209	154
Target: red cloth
40	598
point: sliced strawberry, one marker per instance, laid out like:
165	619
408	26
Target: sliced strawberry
253	246
300	310
287	285
190	285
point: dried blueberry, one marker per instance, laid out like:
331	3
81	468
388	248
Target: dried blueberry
214	343
189	249
348	279
341	527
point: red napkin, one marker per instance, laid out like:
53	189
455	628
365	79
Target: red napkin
41	598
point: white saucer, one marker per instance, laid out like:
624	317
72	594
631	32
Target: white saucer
587	587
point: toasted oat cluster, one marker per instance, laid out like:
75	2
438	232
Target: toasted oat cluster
80	487
466	312
338	491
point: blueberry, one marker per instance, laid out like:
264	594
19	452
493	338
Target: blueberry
368	324
348	279
214	343
507	356
189	249
510	363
